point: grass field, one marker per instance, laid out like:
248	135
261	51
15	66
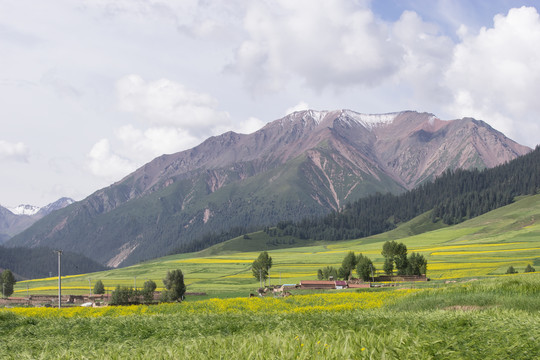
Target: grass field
481	247
487	319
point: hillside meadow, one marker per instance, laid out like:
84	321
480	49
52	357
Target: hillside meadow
482	247
491	318
470	310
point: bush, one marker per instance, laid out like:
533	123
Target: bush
529	268
148	291
511	270
123	295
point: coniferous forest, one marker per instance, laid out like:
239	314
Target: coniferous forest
454	197
31	263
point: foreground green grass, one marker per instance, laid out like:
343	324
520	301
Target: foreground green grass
488	319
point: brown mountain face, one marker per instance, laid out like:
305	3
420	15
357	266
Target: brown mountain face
305	164
410	147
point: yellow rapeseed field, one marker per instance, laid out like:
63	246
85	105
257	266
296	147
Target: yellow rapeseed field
295	304
482	251
214	261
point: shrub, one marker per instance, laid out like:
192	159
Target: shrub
529	268
124	295
511	270
148	291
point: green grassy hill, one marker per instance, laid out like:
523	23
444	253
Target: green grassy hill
484	246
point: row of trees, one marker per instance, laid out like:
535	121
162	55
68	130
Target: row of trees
395	255
361	264
123	295
7	282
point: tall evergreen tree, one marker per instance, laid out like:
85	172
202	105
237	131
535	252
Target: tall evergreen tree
174	286
261	266
347	266
365	268
417	264
99	288
8	282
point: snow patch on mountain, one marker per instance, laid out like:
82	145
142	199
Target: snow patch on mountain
25	210
31	210
369	121
317	116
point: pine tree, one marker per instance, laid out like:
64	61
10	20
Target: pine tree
261	266
8	282
99	288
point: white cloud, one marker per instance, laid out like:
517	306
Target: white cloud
176	119
154	141
495	75
165	102
102	162
14	151
324	43
248	126
426	53
302	105
199	19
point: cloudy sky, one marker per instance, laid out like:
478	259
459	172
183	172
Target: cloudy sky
92	89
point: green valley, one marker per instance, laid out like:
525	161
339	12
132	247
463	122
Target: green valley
481	247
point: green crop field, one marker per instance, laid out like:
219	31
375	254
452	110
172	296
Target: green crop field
482	313
481	247
490	319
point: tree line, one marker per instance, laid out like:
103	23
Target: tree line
396	258
173	282
40	262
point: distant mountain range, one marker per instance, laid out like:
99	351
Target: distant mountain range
15	220
305	164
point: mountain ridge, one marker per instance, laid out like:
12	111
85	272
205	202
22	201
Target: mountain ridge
305	164
16	220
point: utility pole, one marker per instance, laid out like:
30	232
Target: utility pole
59	252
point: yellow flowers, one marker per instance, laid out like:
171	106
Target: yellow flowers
482	251
342	301
215	261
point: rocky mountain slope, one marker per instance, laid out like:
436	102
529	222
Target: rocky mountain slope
304	164
15	220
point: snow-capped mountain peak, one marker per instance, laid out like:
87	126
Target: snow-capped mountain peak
31	210
25	210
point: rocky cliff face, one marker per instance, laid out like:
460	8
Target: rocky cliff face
411	147
304	164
